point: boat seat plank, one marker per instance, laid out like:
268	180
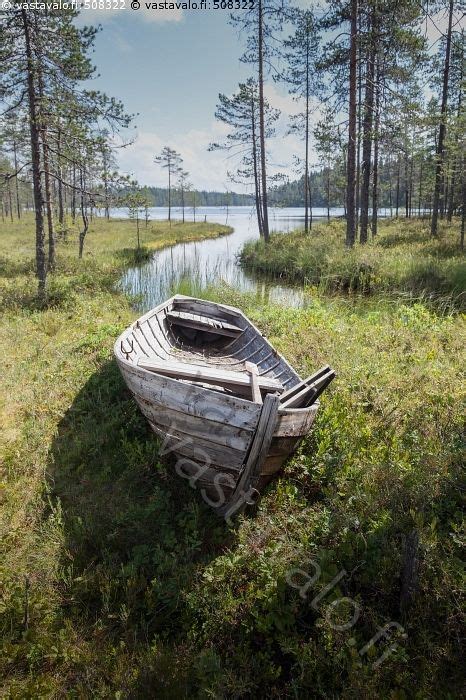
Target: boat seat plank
207	307
208	375
204	323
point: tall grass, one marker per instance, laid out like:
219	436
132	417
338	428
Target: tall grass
402	259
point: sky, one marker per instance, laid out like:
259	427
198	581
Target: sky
168	67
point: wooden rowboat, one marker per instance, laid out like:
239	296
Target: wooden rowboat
226	403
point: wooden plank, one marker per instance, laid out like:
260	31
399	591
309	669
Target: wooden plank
284	445
298	399
207	374
208	320
222	434
191	399
206	307
305	382
273	464
203	323
255	388
257	455
321	385
295	421
203	452
310	392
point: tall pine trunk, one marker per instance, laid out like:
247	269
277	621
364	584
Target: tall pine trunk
463	197
327	187
359	122
406	183
397	194
390	188
257	195
419	207
73	196
309	189
306	158
375	175
41	267
85	219
265	214
169	192
439	156
48	199
61	208
351	159
10	200
457	157
367	134
15	156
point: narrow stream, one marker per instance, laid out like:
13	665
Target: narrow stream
213	261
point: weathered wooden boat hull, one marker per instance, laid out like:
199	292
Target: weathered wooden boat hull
227	445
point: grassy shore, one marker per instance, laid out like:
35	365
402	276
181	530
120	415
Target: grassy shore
117	581
403	259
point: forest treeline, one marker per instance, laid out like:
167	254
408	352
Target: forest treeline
380	102
158	197
389	105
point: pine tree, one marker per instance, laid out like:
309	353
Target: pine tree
300	51
170	160
241	113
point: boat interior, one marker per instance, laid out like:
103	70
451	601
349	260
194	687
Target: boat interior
216	346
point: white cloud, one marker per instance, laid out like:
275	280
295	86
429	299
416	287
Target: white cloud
93	16
282	101
208	170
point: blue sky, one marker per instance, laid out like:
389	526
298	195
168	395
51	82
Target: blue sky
169	66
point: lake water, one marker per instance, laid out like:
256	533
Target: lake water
213	261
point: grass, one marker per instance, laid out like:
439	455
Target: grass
403	259
117	580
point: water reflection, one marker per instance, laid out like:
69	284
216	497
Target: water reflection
213	261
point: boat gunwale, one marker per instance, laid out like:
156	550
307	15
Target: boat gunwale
119	355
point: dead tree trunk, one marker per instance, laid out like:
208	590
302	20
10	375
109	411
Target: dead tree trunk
10	200
61	209
306	157
375	174
257	194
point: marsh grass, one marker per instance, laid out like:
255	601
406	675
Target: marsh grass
402	259
117	580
